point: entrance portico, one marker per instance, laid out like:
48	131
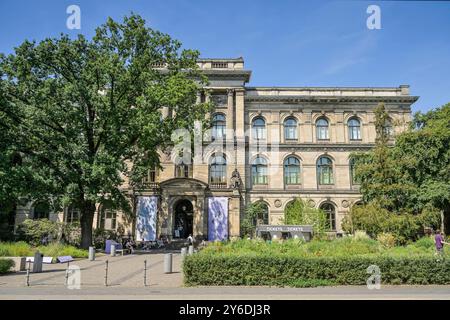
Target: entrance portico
183	208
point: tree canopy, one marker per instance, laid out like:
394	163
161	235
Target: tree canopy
79	117
414	173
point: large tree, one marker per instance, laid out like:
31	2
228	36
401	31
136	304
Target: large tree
81	115
413	174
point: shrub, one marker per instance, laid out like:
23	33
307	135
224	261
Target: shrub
32	231
387	240
360	235
235	269
57	249
6	265
374	219
72	233
299	213
425	242
101	235
253	213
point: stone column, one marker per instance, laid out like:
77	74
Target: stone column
230	111
233	215
340	130
207	100
308	127
240	134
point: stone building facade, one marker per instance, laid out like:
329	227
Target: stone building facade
281	143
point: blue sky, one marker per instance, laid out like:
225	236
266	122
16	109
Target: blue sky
284	43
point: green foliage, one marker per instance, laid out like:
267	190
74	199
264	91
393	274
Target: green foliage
101	235
316	263
294	271
15	249
414	174
6	265
57	249
23	249
75	112
32	231
298	212
387	240
376	220
254	212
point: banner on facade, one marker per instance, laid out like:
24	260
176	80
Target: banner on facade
146	218
217	218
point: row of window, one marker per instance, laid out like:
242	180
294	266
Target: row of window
290	128
327	207
107	215
291	166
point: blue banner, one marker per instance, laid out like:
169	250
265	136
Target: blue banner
217	218
146	218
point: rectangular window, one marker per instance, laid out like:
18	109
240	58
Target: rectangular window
322	133
290	133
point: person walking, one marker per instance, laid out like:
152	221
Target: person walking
190	240
439	242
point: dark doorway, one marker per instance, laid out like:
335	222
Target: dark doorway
184	219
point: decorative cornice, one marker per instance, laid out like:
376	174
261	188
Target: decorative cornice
329	99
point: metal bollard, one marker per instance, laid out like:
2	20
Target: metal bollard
183	252
191	250
37	262
145	273
106	273
91	253
168	263
113	250
28	275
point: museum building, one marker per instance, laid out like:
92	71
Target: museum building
281	143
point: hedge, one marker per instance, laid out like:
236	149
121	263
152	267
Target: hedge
6	265
248	270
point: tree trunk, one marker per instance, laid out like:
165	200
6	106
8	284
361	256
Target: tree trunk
87	218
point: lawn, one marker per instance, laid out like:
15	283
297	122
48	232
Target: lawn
23	249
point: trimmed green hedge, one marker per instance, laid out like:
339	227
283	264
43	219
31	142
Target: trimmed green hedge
6	265
201	269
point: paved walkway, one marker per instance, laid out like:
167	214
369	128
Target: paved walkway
126	281
123	271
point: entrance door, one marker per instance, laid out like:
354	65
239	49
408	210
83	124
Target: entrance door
184	219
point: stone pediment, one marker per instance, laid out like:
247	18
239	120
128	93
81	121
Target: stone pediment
183	183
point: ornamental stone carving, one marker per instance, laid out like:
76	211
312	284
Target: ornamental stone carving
278	203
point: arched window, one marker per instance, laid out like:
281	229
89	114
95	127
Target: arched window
73	214
291	171
322	129
218	126
259	129
108	217
218	170
388	130
353	177
263	214
183	167
41	210
354	129
7	220
290	129
259	171
330	212
325	170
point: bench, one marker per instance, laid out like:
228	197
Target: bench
122	251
